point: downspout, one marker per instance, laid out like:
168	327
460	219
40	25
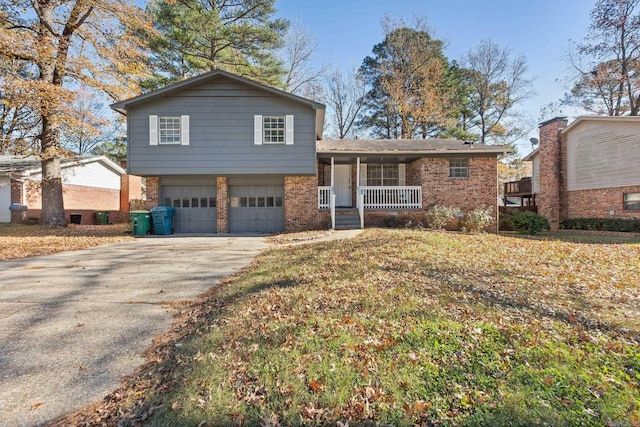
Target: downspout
504	154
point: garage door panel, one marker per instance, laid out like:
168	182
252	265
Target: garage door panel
256	208
195	207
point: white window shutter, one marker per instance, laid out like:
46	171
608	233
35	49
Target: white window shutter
257	130
402	174
363	174
184	130
153	130
288	136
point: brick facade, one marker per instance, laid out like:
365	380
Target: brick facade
553	161
479	189
380	218
599	202
76	201
222	207
153	191
554	201
301	193
130	188
301	204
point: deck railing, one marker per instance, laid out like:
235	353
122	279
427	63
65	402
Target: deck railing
403	197
517	188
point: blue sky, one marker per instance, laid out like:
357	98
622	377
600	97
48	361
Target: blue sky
541	30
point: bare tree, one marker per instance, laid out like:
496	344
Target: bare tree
85	126
608	61
345	97
301	74
496	82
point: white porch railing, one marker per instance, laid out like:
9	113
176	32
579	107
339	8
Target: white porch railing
324	197
360	204
327	200
403	197
333	209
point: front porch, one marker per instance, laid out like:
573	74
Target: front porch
389	191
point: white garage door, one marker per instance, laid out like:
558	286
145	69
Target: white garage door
5	199
195	207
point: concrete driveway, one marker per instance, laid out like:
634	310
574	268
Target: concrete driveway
72	324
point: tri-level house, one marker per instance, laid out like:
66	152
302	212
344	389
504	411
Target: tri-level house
589	168
234	155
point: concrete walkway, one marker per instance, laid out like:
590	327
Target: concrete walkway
72	324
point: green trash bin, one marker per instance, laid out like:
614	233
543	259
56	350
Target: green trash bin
102	218
140	223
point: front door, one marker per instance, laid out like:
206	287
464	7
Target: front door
342	185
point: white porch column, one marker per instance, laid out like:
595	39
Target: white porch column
332	172
357	172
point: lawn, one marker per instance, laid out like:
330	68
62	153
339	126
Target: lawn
402	327
20	241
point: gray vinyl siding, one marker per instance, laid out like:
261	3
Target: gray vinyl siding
603	155
221	134
536	174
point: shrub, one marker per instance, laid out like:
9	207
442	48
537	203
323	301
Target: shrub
392	221
438	216
628	225
528	222
477	220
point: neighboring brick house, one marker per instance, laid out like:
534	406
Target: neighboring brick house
89	184
588	169
233	155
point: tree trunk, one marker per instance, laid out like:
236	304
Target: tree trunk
52	201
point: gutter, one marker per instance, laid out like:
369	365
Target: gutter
416	153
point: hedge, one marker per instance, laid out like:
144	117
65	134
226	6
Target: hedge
628	225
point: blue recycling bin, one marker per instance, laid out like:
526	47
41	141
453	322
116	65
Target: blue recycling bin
163	219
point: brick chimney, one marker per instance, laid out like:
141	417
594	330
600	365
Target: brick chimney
551	199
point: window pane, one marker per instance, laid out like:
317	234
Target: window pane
167	201
261	202
203	202
185	203
169	130
278	202
194	202
390	175
273	129
176	203
212	202
458	168
269	202
243	202
252	202
632	201
374	175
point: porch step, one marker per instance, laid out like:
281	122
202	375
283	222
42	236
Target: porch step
347	220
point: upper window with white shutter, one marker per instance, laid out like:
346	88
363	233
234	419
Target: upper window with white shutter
168	130
273	130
